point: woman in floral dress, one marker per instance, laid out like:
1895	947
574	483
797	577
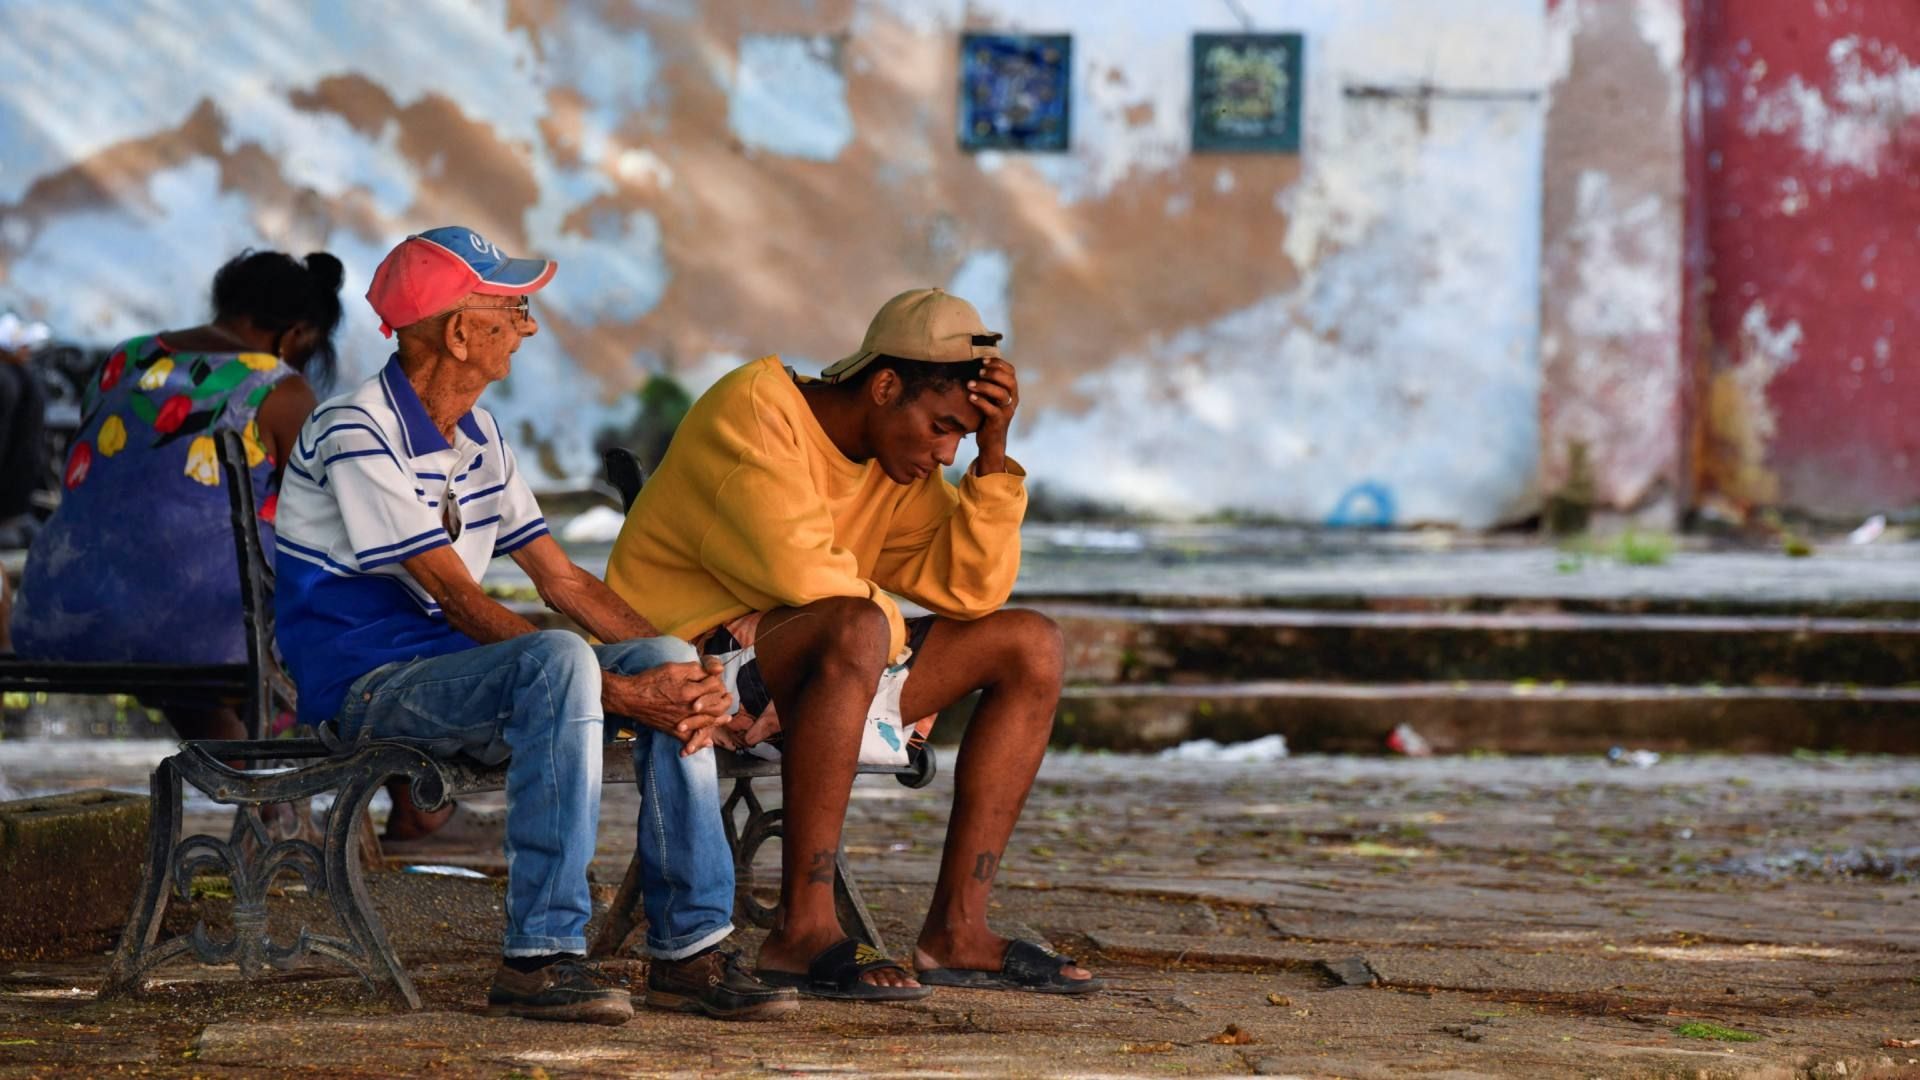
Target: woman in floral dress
138	564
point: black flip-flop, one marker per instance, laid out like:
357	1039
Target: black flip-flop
836	973
1027	966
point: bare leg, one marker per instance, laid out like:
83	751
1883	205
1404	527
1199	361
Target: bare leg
1016	659
821	663
406	821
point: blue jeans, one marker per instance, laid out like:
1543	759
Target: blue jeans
534	701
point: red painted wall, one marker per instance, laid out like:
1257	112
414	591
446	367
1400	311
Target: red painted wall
1805	253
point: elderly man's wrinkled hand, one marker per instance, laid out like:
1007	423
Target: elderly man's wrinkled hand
684	700
716	735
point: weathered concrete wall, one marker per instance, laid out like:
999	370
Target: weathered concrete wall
721	179
1810	269
69	864
1614	202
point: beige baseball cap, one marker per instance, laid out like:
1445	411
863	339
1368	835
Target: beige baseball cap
921	324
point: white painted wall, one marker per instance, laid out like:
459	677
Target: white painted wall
1406	357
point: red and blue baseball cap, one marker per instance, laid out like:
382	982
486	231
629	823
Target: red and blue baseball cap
429	272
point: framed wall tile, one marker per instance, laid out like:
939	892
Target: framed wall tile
1246	92
1016	91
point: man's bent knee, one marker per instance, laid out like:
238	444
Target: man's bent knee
1034	645
635	655
854	638
565	673
560	650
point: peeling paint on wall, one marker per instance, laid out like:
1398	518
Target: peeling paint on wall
1612	263
725	179
1620	240
983	279
1811	115
1663	26
1347	378
1852	119
61	104
789	96
617	271
1740	415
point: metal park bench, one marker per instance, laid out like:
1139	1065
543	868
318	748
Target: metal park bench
292	770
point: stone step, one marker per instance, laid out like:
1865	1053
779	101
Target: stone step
1835	607
1115	644
1327	717
1133	644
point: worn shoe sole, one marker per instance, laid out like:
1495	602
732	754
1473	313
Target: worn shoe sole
612	1011
771	1009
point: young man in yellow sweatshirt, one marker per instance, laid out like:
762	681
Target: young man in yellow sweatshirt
785	511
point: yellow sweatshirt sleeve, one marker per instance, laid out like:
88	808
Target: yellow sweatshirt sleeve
956	550
771	543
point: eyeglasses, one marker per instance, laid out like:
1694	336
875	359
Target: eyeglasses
522	309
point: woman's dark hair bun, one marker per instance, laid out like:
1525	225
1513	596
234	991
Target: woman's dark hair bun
326	270
275	292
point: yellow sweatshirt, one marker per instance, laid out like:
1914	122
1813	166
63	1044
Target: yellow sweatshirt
754	508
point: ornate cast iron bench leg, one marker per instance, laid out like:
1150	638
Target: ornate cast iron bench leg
851	906
331	872
136	953
762	825
626	913
346	883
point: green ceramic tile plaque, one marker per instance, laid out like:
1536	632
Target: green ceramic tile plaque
1246	92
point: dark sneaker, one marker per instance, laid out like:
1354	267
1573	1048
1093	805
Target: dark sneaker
714	983
563	990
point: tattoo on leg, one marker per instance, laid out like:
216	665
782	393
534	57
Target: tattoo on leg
985	865
820	868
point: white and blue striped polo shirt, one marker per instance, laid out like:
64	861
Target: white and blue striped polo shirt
372	483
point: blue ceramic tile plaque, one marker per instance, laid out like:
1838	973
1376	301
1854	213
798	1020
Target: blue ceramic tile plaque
1015	91
1246	92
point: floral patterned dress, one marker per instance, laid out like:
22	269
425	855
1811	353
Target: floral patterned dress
138	563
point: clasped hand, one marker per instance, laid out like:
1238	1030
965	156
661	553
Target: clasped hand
685	700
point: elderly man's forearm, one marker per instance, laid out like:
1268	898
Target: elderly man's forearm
485	621
586	600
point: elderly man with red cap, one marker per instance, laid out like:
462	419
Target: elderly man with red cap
396	497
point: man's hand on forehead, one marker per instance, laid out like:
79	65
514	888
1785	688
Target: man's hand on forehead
996	393
996	386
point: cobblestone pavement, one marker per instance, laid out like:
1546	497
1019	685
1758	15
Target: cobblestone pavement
1713	916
